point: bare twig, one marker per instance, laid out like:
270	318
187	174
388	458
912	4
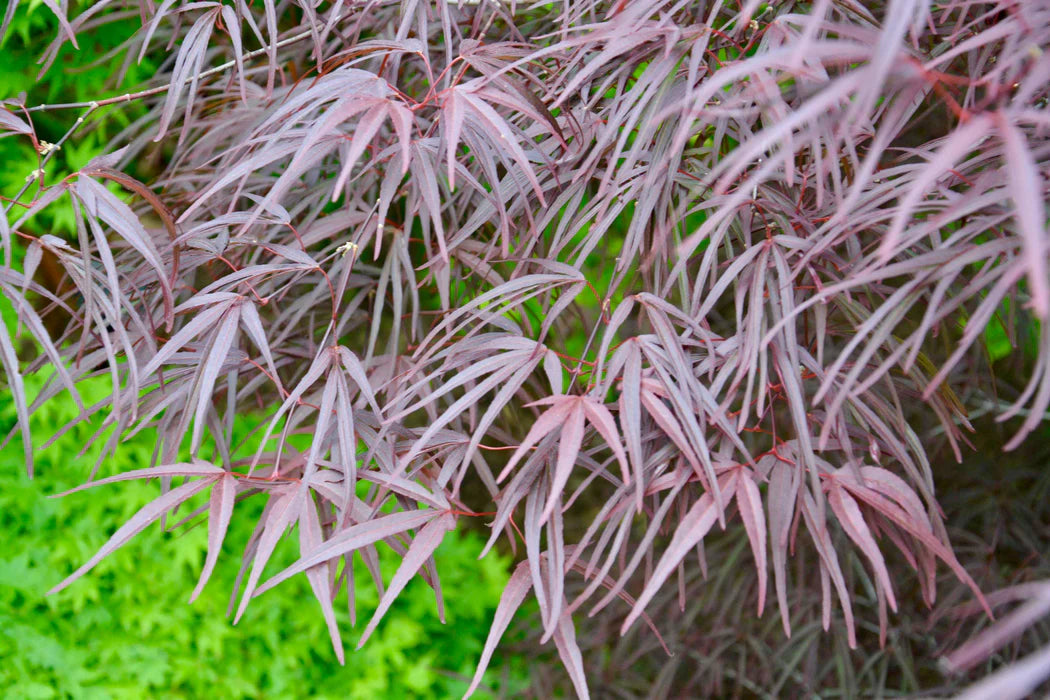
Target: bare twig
160	90
38	175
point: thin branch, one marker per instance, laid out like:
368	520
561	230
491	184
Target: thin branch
41	171
164	88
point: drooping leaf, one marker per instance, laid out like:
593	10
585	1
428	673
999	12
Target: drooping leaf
137	523
220	511
422	548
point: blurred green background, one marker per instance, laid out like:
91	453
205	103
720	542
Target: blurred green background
125	629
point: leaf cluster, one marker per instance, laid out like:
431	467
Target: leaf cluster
614	277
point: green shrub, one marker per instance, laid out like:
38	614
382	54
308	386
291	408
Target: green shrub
127	631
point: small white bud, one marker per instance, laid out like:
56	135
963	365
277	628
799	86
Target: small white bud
874	450
347	247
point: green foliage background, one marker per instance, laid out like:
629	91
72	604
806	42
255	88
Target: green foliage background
125	630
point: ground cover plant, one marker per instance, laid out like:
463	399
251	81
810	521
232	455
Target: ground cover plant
639	289
126	631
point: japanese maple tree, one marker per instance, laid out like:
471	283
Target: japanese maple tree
610	277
